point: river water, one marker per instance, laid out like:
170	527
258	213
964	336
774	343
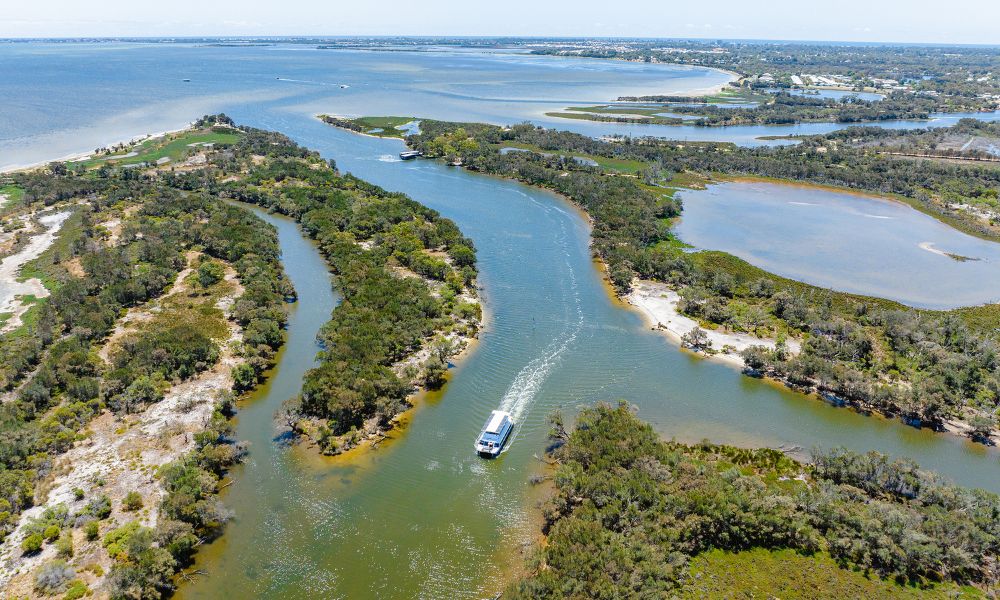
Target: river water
422	517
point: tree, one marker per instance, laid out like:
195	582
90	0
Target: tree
244	377
210	272
756	358
696	339
982	427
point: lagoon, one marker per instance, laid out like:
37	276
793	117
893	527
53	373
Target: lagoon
63	99
844	241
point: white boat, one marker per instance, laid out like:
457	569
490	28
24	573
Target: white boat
495	434
410	154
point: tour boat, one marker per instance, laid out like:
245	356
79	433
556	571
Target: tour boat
410	154
495	434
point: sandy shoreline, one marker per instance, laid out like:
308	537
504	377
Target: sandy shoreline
657	302
716	89
88	154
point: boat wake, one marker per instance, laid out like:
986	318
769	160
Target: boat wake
312	82
526	385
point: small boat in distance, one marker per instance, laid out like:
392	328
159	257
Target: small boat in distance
410	154
494	435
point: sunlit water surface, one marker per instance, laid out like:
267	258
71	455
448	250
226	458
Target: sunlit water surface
849	242
422	517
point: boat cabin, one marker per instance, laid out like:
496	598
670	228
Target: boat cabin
495	434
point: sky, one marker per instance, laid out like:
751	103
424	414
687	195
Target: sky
955	21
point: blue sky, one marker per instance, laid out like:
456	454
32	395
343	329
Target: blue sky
956	21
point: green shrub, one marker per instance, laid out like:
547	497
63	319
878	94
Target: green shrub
210	272
32	543
132	501
64	545
51	533
92	530
76	590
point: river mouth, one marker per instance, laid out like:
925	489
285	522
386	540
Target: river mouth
844	241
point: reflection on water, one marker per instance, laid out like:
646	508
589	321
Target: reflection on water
844	241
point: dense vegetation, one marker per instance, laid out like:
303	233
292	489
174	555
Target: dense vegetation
406	276
377	126
59	382
146	559
370	237
926	367
630	512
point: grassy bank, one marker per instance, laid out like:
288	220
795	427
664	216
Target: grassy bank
173	146
376	126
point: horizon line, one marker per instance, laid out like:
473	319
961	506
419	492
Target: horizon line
270	37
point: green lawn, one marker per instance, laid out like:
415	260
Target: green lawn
387	125
173	146
13	194
621	115
790	576
735	96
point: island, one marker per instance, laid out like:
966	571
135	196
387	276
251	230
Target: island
146	301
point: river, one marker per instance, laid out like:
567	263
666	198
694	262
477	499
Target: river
422	517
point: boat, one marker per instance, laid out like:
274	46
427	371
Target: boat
410	154
495	434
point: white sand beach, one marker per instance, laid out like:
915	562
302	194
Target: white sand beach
658	304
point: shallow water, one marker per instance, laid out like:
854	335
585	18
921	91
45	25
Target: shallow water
423	517
844	241
61	99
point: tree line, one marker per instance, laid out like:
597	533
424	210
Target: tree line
630	511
